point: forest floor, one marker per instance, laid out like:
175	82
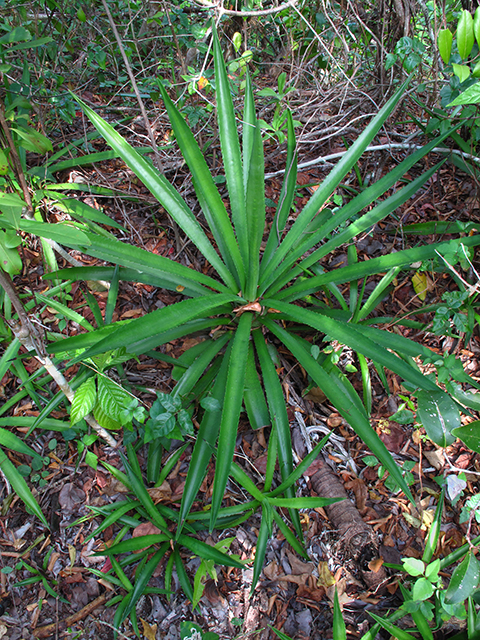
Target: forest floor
294	595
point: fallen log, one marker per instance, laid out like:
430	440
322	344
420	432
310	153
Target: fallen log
357	539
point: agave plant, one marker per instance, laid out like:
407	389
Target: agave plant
258	294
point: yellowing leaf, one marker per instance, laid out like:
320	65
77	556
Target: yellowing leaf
202	82
149	631
420	284
325	577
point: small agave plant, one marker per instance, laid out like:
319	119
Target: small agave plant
265	286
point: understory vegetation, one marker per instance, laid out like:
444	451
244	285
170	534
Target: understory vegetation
238	308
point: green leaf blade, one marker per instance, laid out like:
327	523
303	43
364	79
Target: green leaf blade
231	411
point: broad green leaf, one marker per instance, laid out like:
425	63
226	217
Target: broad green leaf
253	397
230	145
462	71
210	200
231	411
476	25
422	589
255	204
12	206
469	434
444	42
32	140
111	397
439	415
469	96
10	260
20	487
465	35
18	34
104	420
464	580
83	401
413	566
160	188
205	442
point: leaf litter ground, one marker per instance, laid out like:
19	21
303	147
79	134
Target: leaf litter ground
294	595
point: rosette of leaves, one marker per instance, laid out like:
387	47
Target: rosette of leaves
265	289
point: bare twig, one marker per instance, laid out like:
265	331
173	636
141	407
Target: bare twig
378	147
48	630
146	121
30	338
245	14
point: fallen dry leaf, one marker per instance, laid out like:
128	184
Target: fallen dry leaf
375	565
161	493
357	485
325	577
317	595
315	395
149	631
145	529
435	458
299	567
70	497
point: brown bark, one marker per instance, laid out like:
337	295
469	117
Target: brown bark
357	538
56	627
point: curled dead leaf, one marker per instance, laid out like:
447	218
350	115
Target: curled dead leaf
162	493
375	564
